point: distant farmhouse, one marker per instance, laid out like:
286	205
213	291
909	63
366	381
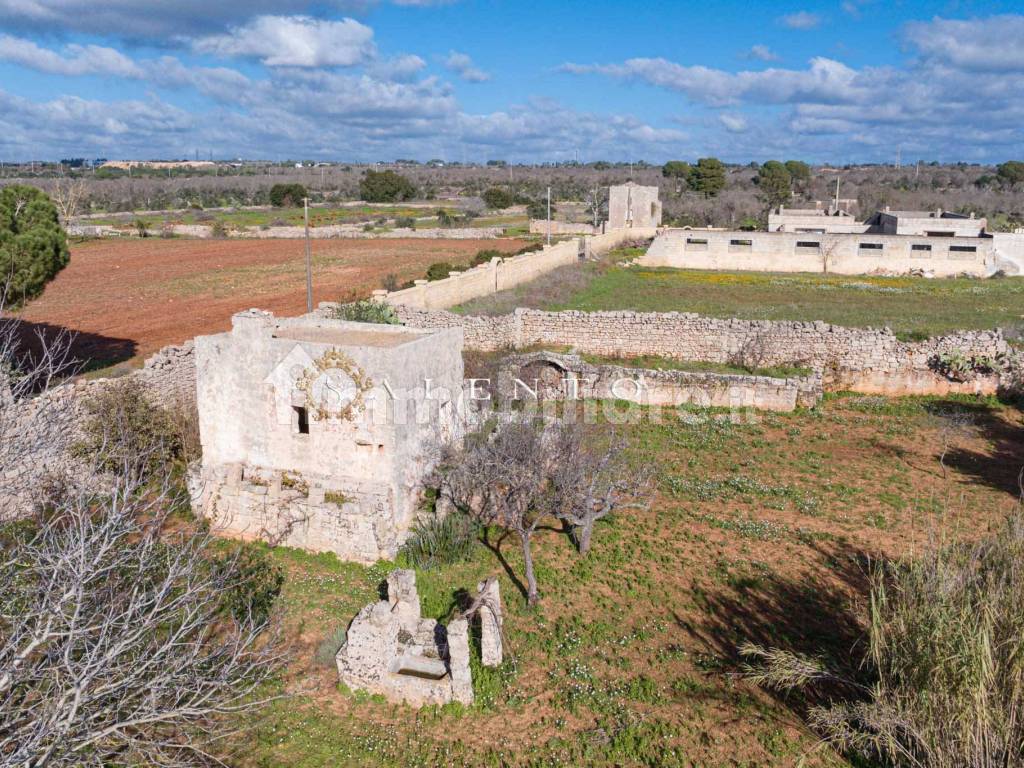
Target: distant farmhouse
829	239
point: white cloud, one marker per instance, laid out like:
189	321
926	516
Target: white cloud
994	44
825	79
462	65
160	21
399	68
76	60
762	53
295	41
959	95
70	123
801	20
733	123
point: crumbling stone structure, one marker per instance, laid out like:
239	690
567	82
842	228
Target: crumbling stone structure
317	432
552	376
632	206
392	650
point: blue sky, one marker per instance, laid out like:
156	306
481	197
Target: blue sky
362	80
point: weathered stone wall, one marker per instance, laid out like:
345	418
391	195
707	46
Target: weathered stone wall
543	226
547	375
328	232
298	414
632	206
861	359
39	435
502	274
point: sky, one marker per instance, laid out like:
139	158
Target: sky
472	80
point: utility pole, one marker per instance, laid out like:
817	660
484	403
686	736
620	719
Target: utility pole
549	215
309	258
837	193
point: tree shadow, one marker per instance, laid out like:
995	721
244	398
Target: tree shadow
88	351
816	616
1002	467
495	548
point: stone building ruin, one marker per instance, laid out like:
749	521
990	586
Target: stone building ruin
316	432
631	206
391	650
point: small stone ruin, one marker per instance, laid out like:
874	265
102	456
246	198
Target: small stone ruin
392	650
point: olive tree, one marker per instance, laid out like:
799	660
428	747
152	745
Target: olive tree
522	472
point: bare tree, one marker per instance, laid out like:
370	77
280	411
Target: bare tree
593	478
596	201
67	194
32	363
501	478
121	641
526	471
829	245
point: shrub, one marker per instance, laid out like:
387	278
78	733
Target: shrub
496	197
437	540
141	228
957	365
484	256
287	195
439	270
530	248
405	222
444	218
219	229
123	430
329	647
368	311
390	282
538	209
33	246
255	581
941	678
385	187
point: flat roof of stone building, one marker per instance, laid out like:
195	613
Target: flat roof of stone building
348	337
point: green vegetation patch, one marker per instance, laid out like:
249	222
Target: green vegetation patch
913	307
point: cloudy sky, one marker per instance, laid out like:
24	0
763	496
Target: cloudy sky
362	80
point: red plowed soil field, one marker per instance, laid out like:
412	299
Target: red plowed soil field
128	298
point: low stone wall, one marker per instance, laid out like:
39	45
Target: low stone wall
859	359
543	226
502	274
39	434
330	232
551	376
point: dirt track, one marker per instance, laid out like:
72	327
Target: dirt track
126	298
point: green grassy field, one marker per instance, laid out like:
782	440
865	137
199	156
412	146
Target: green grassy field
914	308
759	530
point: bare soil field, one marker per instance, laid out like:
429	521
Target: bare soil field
128	298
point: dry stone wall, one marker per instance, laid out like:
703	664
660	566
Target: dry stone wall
547	375
39	435
861	359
